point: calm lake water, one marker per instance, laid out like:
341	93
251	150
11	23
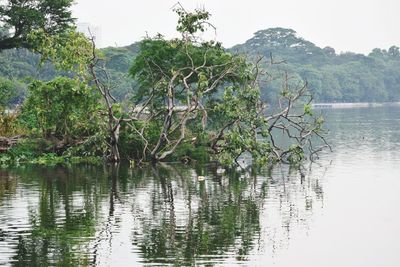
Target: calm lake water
343	211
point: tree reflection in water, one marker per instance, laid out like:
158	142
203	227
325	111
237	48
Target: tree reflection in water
8	185
168	216
62	220
183	221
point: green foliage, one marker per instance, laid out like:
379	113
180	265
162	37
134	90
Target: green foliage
346	77
308	109
296	154
223	120
132	145
52	159
11	93
191	22
20	18
20	66
117	63
92	146
63	108
68	50
6	92
332	77
25	151
159	59
38	151
238	111
9	125
209	82
192	151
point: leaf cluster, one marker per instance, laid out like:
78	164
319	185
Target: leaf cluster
191	22
20	17
63	108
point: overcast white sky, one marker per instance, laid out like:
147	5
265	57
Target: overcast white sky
346	25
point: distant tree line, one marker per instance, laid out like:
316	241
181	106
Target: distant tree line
331	77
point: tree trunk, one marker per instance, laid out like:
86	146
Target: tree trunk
114	134
167	122
7	142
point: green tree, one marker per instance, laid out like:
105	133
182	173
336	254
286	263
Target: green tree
63	108
18	18
193	88
394	51
72	51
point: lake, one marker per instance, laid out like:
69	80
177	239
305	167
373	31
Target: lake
342	210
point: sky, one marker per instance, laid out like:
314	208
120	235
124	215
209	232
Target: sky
346	25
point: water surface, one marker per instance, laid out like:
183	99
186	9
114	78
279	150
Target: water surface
342	211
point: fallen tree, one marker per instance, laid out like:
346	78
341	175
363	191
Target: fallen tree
8	142
219	100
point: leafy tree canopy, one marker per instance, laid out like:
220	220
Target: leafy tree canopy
18	18
201	95
61	108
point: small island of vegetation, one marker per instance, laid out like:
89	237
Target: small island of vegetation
193	101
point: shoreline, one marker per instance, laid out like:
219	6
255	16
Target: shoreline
353	105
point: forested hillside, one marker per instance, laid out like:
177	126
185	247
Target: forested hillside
332	77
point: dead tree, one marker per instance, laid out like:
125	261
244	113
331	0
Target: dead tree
96	69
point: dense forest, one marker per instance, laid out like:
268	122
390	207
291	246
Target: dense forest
331	77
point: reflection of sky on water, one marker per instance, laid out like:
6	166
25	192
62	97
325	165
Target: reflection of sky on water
341	212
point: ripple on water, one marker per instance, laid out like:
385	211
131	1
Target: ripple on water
106	216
